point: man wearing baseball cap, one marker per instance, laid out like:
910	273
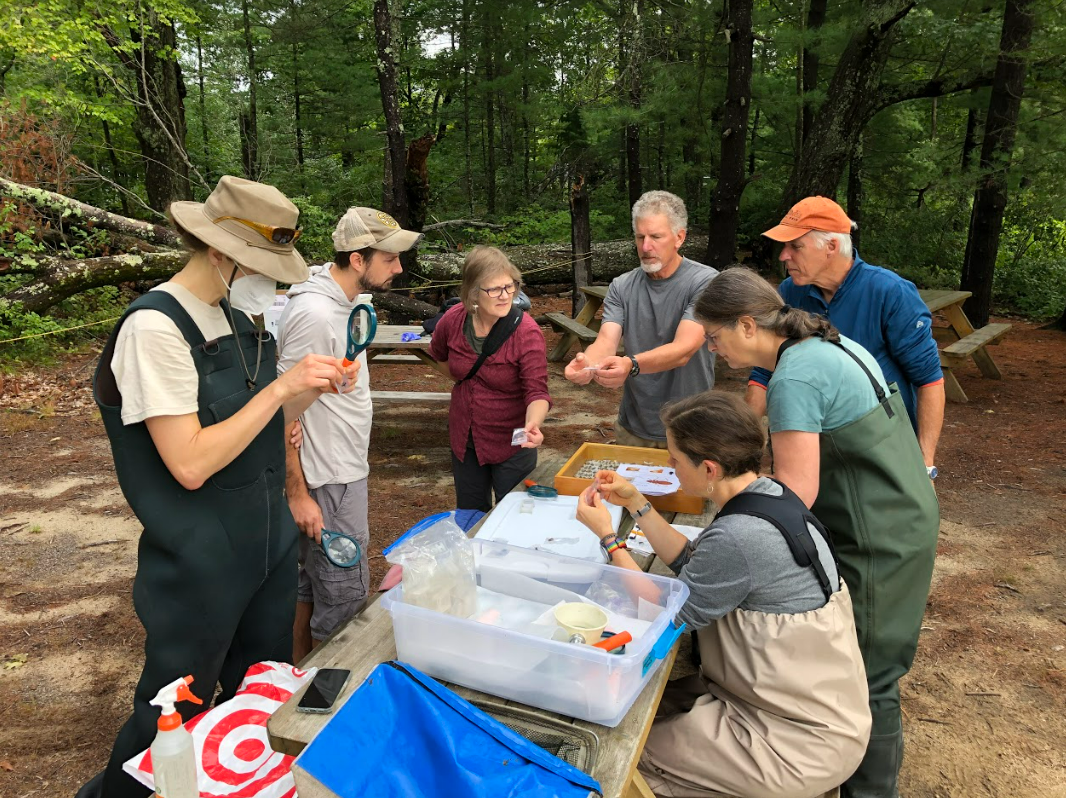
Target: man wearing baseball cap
872	306
326	480
884	313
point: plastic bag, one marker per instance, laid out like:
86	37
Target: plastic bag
438	566
233	754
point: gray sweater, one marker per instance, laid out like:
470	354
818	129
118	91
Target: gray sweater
743	561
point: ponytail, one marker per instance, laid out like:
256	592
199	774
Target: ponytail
740	292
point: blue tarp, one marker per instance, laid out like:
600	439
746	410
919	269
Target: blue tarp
404	734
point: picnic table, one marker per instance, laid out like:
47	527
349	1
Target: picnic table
367	640
583	327
387	347
962	339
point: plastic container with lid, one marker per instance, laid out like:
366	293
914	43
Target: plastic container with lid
575	680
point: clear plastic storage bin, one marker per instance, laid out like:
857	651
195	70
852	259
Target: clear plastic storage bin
506	648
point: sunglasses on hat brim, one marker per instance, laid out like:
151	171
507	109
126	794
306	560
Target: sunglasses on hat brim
272	233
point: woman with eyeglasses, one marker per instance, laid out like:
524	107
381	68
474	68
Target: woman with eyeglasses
496	355
779	706
195	413
843	442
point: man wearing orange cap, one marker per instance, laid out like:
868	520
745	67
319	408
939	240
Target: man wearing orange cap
872	306
884	313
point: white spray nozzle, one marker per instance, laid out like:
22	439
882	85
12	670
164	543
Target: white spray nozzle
176	691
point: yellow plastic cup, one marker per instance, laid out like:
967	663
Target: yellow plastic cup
578	618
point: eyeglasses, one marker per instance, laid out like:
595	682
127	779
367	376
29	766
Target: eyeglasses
500	291
710	337
273	234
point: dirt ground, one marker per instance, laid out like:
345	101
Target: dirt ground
983	705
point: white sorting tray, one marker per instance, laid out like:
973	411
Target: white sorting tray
552	526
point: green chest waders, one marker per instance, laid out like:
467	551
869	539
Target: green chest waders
879	505
216	566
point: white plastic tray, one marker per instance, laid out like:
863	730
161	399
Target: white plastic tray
551	526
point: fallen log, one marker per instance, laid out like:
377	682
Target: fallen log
58	279
74	211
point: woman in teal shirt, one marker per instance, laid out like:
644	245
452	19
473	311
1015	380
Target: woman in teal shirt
843	442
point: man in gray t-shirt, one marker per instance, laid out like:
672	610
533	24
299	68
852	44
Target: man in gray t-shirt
650	310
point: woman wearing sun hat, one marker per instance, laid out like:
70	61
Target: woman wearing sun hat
195	412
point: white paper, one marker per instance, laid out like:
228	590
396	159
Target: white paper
637	542
651	480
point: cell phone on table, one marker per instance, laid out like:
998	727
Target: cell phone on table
323	691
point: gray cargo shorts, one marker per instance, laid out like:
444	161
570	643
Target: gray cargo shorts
337	593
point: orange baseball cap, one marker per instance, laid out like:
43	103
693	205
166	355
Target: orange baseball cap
813	213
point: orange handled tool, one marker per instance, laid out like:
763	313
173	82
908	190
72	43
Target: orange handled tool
614	641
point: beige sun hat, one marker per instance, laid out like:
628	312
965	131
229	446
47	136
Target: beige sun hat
252	204
366	227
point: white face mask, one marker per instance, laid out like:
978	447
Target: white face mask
253	293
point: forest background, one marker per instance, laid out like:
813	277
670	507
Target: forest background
938	125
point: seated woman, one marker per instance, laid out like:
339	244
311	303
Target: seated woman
779	707
495	353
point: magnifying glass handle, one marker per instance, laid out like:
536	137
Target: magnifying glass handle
340	386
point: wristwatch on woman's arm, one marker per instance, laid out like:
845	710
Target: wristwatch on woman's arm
610	544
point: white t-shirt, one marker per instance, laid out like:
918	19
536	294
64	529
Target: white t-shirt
153	366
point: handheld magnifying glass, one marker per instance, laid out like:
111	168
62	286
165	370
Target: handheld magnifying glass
362	326
342	550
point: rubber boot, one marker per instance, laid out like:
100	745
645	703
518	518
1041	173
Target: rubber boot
878	775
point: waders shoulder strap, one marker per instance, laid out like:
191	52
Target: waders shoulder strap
790	516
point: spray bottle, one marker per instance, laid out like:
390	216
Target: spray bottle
173	757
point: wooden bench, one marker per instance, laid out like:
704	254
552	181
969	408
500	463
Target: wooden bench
409	396
396	359
560	322
971	345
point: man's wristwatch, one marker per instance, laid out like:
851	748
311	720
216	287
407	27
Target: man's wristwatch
931	471
635	370
610	544
643	510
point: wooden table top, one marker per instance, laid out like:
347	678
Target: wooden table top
388	337
367	640
937	299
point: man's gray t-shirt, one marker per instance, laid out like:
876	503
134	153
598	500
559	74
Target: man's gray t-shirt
743	561
649	312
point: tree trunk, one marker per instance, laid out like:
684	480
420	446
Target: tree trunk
580	240
92	217
635	54
490	131
160	104
203	107
1001	124
815	18
468	178
417	180
296	95
249	117
851	101
855	195
396	151
725	203
969	142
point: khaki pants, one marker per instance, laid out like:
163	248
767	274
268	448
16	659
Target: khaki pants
624	437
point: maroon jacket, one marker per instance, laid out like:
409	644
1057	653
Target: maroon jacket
499	393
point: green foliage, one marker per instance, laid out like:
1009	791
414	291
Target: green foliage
537	226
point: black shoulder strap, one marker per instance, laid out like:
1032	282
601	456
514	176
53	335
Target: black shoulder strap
502	330
104	386
878	390
790	516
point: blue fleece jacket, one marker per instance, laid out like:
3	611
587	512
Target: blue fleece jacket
882	312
